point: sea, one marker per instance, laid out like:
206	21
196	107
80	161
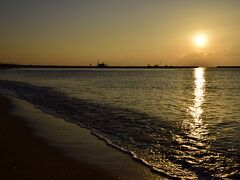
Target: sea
181	122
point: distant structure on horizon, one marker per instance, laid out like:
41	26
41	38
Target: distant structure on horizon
101	65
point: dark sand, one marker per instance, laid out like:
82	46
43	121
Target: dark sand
26	156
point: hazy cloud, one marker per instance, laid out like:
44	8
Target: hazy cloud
233	52
229	56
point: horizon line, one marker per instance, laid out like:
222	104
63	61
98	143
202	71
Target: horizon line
9	65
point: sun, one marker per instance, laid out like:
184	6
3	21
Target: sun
200	40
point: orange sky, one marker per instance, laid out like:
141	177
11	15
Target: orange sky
135	32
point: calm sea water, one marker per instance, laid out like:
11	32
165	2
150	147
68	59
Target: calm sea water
183	122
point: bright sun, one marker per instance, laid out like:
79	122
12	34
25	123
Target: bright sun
200	40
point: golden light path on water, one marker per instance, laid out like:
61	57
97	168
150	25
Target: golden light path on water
199	93
194	125
197	128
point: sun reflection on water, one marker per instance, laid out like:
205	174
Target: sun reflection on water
199	93
196	111
194	127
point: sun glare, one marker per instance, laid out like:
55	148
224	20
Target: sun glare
200	40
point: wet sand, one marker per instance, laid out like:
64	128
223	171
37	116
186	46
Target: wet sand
25	156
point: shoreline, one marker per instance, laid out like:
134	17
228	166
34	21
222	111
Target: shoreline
25	156
77	144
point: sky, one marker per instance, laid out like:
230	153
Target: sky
119	32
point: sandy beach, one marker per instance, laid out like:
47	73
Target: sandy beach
25	156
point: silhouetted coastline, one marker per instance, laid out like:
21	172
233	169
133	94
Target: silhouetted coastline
103	65
228	66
